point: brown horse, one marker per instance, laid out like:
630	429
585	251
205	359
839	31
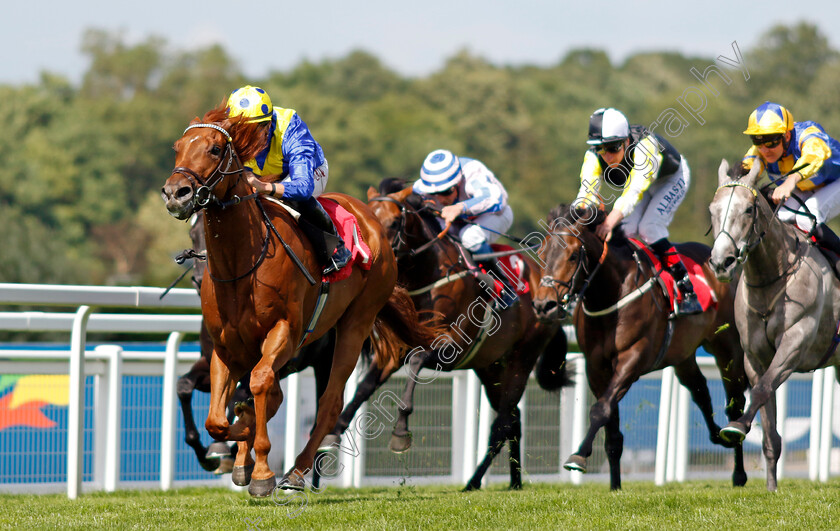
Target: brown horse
500	345
218	457
624	332
261	294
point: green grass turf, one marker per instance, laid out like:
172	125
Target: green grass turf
692	505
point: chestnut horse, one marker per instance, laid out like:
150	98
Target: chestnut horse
261	294
623	328
218	457
500	345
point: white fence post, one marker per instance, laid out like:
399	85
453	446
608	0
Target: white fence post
114	422
825	431
169	413
681	450
292	420
76	405
817	380
485	420
781	421
580	414
662	445
351	474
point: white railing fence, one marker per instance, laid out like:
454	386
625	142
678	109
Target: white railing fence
457	414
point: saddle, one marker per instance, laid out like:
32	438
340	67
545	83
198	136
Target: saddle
514	268
705	295
348	228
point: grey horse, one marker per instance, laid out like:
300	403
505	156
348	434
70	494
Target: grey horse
787	305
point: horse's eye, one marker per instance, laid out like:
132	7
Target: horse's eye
574	256
215	150
748	211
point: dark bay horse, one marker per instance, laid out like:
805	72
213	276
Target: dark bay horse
218	457
500	345
622	326
257	302
787	306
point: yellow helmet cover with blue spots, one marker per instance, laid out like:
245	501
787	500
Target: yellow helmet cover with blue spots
251	102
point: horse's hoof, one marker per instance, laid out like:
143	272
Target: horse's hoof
292	481
330	441
241	475
218	449
400	443
734	432
261	488
515	486
210	464
225	466
471	487
575	463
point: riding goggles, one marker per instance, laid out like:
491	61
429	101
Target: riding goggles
766	141
610	147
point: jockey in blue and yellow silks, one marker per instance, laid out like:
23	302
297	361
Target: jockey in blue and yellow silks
781	145
292	157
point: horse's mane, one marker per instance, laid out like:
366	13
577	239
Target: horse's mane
248	138
738	171
586	218
390	185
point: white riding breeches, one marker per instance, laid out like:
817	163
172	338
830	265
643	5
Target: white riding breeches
472	236
823	202
655	210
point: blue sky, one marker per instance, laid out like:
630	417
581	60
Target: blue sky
413	38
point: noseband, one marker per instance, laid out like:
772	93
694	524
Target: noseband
203	188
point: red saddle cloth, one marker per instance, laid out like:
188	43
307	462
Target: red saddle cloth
514	268
704	292
348	229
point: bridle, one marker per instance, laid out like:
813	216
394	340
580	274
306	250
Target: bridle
745	249
570	297
203	187
398	242
748	246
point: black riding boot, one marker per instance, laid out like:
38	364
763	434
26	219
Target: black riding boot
668	255
827	238
312	211
689	305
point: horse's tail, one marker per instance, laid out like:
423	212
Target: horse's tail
551	370
398	328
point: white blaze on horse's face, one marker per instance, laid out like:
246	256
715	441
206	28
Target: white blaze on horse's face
732	222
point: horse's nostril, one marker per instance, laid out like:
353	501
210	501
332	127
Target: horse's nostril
545	307
183	192
729	261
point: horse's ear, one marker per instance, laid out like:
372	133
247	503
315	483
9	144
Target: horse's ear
752	177
372	192
723	172
403	194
